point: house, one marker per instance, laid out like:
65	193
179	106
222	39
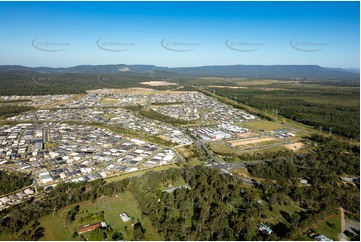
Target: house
28	191
13	197
91	227
346	179
20	195
125	217
321	237
45	177
4	200
264	229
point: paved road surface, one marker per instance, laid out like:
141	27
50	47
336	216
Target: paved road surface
342	236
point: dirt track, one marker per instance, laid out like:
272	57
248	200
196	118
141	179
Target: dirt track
250	141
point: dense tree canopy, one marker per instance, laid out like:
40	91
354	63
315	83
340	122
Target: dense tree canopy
337	108
10	182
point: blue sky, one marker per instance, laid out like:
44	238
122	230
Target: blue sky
61	34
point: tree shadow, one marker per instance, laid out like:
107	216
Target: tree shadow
286	215
281	229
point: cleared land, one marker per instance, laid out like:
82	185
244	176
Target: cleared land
108	100
104	209
221	148
247	135
331	227
263	125
159	83
250	141
295	146
257	151
232	87
135	90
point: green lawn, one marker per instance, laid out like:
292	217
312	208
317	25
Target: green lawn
105	209
220	148
109	101
125	202
275	216
54	227
330	227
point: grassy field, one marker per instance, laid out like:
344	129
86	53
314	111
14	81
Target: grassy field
262	150
276	215
244	173
138	173
109	101
220	148
104	209
169	184
258	125
241	82
125	202
330	227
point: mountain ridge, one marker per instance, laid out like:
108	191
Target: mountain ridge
283	72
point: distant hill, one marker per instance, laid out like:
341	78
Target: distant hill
281	72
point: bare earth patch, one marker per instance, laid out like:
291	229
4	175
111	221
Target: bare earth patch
159	83
185	152
269	89
135	90
295	146
165	138
250	141
247	135
231	87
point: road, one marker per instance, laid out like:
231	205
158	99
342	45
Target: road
202	147
342	236
217	163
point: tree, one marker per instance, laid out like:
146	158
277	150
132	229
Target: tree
139	231
117	236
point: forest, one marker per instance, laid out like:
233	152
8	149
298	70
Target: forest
8	110
33	83
334	108
13	182
151	114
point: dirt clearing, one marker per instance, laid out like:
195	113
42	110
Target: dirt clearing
159	83
250	141
295	146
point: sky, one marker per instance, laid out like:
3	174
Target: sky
173	34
